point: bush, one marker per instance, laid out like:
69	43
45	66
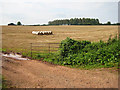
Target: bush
85	53
70	46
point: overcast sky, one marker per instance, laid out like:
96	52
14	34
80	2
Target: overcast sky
42	11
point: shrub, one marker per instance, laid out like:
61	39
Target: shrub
85	53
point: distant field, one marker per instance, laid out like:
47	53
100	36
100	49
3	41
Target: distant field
20	37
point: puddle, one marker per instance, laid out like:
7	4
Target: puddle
15	56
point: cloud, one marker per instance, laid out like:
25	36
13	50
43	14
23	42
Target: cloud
49	1
42	11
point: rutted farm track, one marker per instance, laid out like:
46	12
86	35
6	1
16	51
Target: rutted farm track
38	74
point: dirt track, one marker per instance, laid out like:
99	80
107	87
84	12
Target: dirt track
38	74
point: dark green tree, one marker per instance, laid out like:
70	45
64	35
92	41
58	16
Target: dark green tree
108	23
11	24
75	21
19	23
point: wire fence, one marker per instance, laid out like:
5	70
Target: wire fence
44	48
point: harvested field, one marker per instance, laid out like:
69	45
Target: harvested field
20	37
39	74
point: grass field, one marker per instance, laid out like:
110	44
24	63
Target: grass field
18	38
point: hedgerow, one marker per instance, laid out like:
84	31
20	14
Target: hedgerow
83	53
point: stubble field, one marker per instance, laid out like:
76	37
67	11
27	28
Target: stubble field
19	37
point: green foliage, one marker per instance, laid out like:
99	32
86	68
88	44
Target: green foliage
19	23
87	54
11	24
69	46
3	50
108	23
75	21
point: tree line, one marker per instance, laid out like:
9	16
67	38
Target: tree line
75	21
72	21
18	23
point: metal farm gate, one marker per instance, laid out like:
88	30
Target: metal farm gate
44	48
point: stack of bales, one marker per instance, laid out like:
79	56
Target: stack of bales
42	32
35	32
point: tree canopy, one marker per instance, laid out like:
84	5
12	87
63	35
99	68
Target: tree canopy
75	21
19	23
11	24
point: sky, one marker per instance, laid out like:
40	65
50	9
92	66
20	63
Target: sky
41	11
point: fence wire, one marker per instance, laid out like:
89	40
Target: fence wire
44	47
